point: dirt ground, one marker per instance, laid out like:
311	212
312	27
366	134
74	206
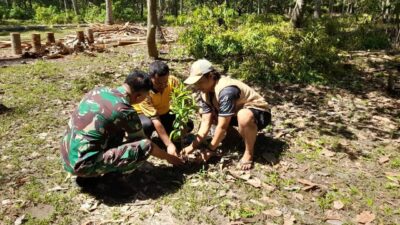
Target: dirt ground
331	155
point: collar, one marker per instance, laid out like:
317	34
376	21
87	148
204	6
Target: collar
123	91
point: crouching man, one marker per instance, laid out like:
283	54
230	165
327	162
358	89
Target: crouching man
104	134
227	102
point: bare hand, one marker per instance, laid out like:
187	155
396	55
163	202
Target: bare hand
186	151
175	160
171	149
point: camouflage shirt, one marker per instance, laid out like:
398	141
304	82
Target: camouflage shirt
101	121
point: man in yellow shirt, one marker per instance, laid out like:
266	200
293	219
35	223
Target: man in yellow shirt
154	111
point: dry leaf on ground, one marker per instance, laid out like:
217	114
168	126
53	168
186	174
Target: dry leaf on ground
19	220
383	159
334	222
309	185
272	212
288	219
338	205
255	182
298	196
365	217
332	215
328	153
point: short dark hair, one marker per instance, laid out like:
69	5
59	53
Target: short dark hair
138	81
214	74
158	67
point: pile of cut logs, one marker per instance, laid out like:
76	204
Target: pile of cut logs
97	38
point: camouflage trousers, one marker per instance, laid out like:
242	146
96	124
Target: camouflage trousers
124	158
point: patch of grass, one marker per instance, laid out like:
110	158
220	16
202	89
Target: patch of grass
325	202
395	163
354	191
34	190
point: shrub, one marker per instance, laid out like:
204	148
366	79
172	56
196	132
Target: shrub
356	33
263	49
94	13
45	14
4	12
21	14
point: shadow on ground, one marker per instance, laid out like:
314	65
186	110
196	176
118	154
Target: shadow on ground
267	150
147	182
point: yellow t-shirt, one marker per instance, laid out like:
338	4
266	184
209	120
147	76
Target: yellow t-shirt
157	103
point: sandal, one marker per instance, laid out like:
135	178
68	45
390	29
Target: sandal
247	165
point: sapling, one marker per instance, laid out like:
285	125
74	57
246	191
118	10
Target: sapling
183	105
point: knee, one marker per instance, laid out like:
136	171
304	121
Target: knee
147	125
245	117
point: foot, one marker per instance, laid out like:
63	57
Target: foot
246	163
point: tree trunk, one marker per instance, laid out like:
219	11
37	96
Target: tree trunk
258	7
75	7
66	8
159	34
176	8
386	10
50	38
109	15
317	9
151	28
16	43
297	14
250	7
36	42
181	7
142	9
60	2
90	36
343	6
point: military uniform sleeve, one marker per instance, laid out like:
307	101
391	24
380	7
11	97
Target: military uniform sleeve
129	121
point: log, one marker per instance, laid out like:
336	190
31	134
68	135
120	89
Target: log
16	43
123	39
37	45
50	38
123	43
5	44
80	36
90	37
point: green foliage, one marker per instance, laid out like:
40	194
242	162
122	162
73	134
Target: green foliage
45	14
184	107
325	202
260	49
19	13
356	33
4	12
123	13
94	13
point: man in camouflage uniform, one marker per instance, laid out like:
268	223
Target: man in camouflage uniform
104	133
